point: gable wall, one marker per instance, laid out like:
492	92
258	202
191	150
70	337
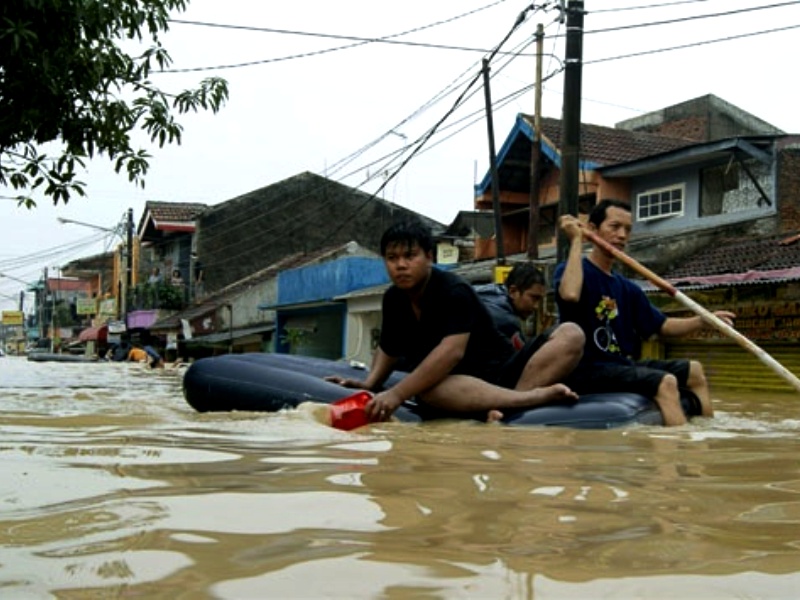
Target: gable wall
303	214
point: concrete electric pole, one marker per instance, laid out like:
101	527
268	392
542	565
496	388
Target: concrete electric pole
571	119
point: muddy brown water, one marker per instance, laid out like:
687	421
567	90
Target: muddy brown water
112	487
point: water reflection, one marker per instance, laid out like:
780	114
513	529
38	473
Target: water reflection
112	485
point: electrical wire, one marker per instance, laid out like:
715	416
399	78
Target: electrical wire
281	231
299	223
645	6
424	143
358	41
690	45
691	18
520	19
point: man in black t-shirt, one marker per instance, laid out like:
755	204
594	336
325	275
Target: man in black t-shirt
457	361
617	317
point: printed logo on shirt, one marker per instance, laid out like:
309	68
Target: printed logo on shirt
604	337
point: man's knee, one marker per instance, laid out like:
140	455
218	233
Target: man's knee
668	385
697	376
570	336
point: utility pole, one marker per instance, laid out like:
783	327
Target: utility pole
498	221
128	264
51	331
571	119
42	303
533	216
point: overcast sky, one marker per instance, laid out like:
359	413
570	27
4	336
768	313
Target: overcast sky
348	88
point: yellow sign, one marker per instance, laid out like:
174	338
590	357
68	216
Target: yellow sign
500	273
13	317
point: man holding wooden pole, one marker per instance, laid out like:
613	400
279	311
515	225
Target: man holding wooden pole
616	317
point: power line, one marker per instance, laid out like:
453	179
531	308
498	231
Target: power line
425	139
727	13
357	41
390	39
691	45
281	231
645	6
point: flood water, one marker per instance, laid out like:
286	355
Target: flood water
113	487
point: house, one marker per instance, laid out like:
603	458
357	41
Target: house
166	234
243	316
60	305
311	315
303	213
672	165
759	279
457	243
164	239
228	258
238	248
700	176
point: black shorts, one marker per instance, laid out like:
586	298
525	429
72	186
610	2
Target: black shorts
642	377
509	373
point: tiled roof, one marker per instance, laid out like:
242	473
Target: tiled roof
174	211
771	253
607	145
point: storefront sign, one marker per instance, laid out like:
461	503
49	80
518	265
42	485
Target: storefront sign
764	321
13	317
86	306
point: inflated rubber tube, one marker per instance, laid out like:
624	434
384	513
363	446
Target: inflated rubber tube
258	382
56	357
272	382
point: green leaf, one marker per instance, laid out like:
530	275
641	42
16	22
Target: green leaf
65	80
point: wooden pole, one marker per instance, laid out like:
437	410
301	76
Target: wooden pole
498	215
533	217
703	313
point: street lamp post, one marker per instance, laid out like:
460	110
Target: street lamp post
17	279
27	285
124	230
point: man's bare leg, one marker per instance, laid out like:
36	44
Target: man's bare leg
556	358
462	393
669	401
698	383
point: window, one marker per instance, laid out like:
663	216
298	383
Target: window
660	203
729	188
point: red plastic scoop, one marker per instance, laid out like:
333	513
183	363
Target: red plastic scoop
348	413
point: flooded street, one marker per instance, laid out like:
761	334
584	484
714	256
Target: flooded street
113	486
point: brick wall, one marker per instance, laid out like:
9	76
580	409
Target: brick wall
690	128
789	190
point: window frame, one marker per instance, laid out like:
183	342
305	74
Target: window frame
681	187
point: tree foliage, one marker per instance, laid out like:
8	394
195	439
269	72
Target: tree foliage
65	82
